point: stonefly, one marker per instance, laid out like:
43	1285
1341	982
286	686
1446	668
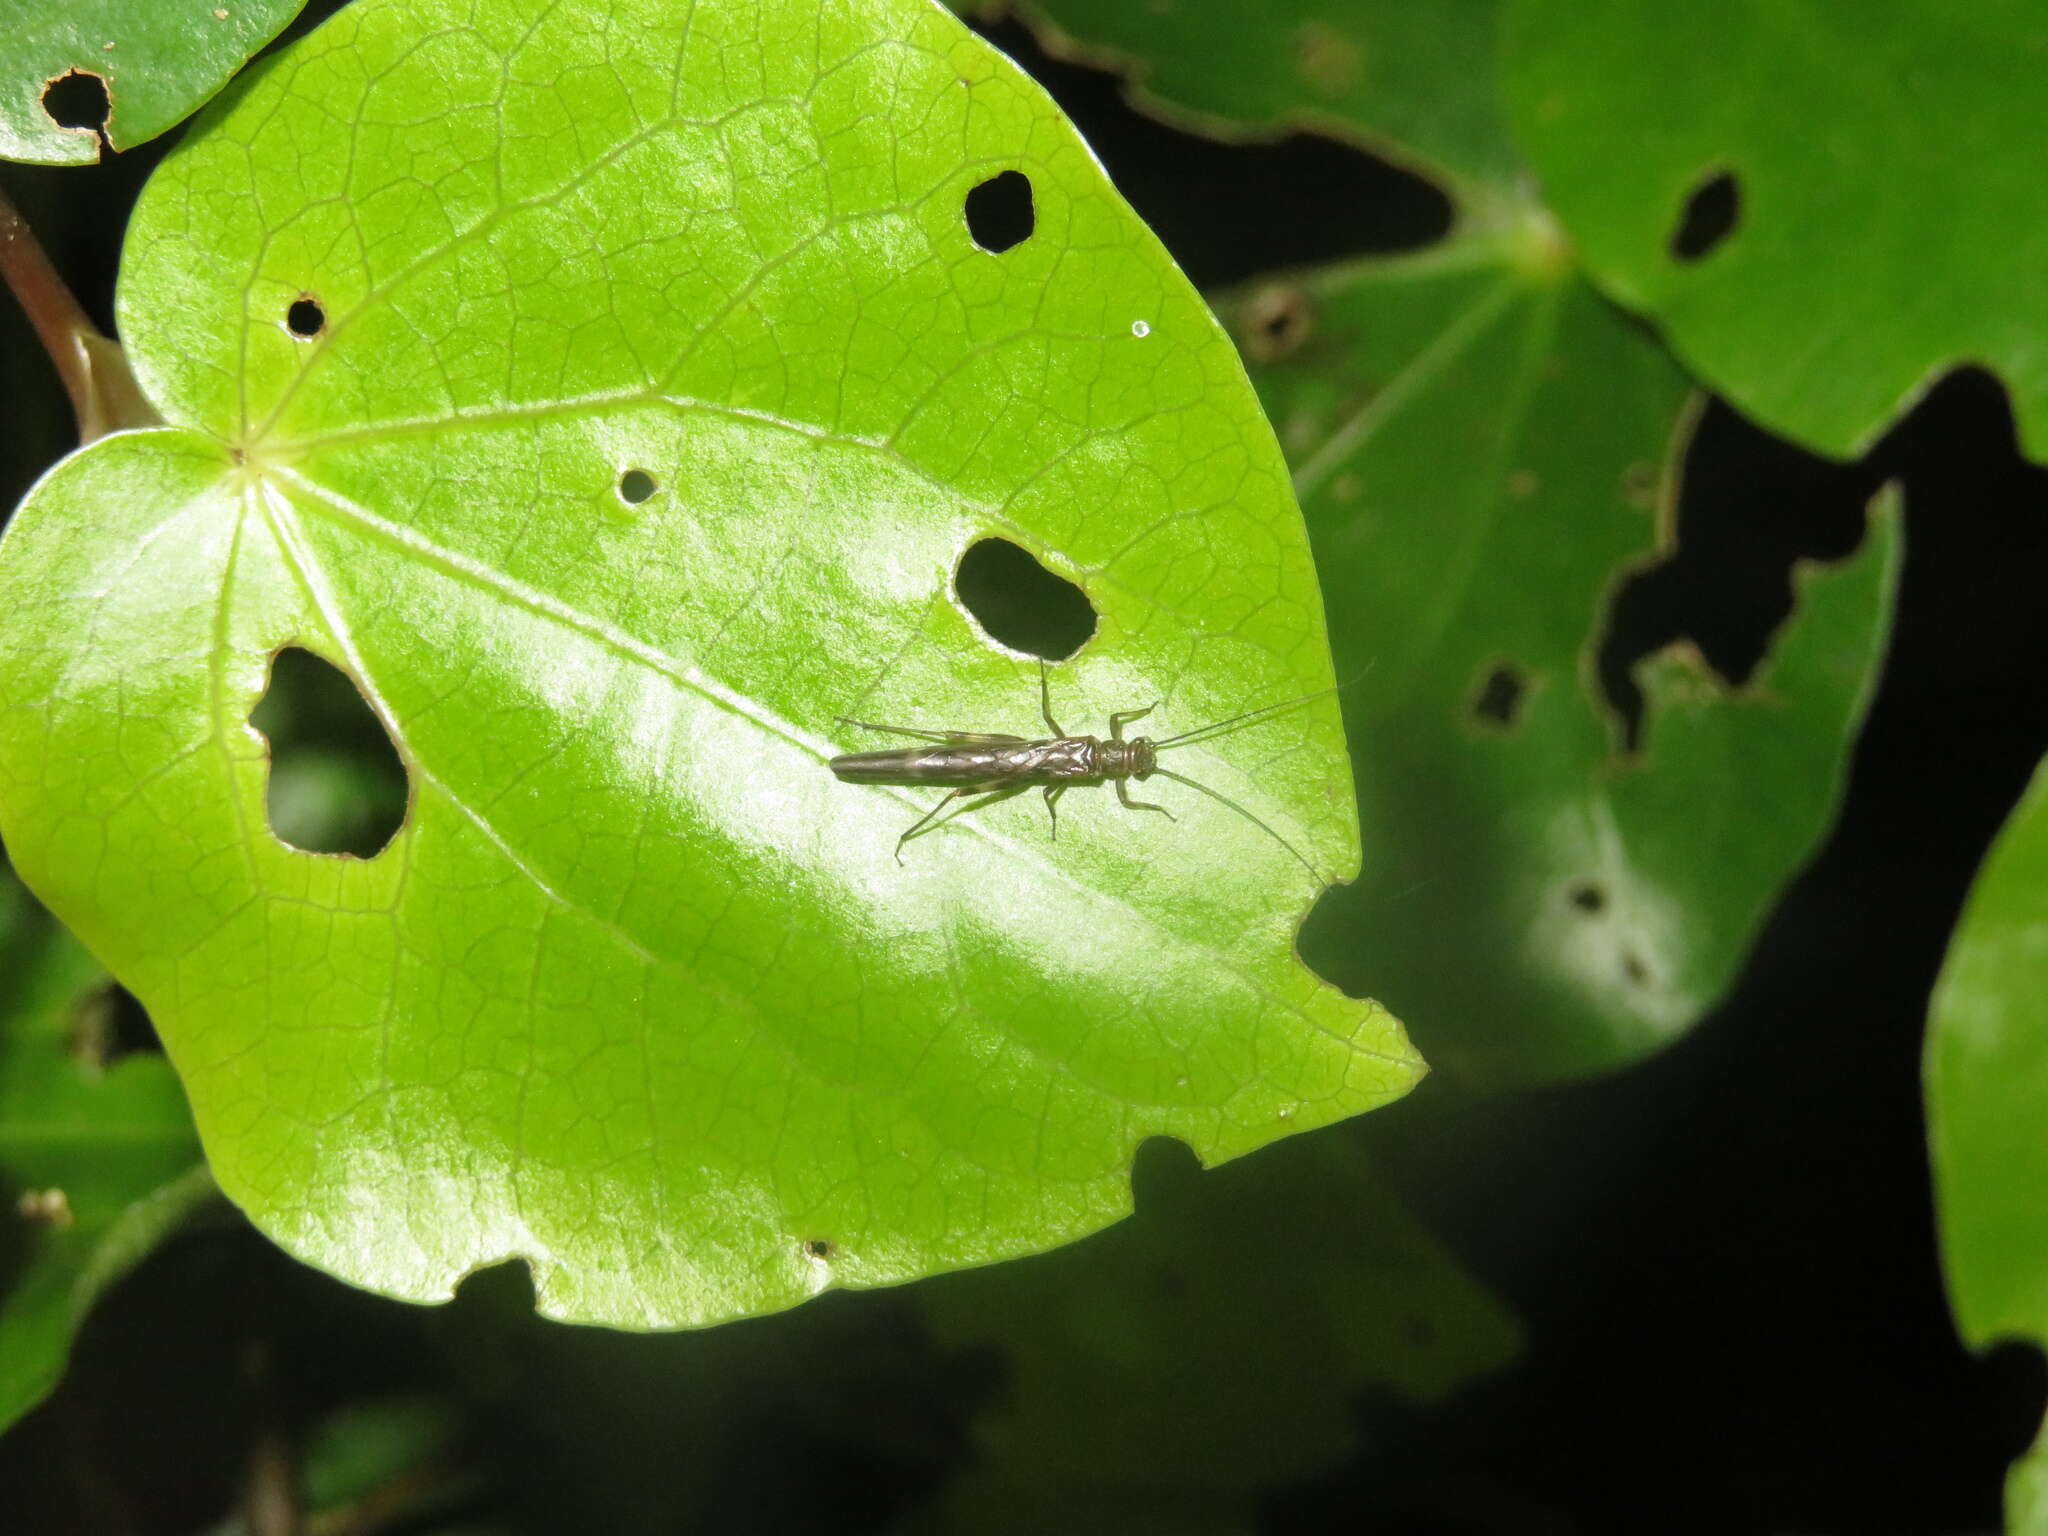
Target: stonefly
998	766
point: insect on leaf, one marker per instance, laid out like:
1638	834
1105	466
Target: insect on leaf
610	391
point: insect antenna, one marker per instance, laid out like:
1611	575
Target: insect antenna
1222	799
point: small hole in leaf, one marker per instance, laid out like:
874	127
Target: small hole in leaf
1709	217
818	1248
999	212
1500	696
305	319
78	100
1277	320
1021	604
337	785
1589	897
635	486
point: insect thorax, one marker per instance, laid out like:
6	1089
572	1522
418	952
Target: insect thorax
1131	759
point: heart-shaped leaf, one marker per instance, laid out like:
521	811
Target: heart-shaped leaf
1824	208
611	390
158	62
97	1160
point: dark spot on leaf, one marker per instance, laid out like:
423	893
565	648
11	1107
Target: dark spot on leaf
1021	604
1500	696
1633	968
1709	217
337	784
1639	486
999	212
78	100
635	486
818	1248
1589	896
305	319
1277	320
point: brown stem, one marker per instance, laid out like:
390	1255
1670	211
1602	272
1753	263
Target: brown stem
104	394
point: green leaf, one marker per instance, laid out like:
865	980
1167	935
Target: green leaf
1987	1092
160	61
1162	1373
1477	439
641	992
1892	222
2026	1492
1987	1083
96	1162
1482	446
1414	81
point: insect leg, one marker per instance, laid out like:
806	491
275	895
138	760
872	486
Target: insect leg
1052	795
1123	793
935	817
1045	700
1124	717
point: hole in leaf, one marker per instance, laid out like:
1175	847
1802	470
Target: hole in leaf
1230	211
337	785
1500	696
1709	217
305	319
1589	896
999	212
1750	508
818	1248
1021	604
78	100
1277	320
635	486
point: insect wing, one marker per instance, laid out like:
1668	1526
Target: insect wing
962	764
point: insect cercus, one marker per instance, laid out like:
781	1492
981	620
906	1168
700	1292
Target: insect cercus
987	763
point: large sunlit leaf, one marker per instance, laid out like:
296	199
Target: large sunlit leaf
1987	1106
1891	221
640	992
1160	1375
158	60
97	1161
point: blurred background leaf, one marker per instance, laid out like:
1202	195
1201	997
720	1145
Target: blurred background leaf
135	67
1820	207
98	1159
1987	1106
